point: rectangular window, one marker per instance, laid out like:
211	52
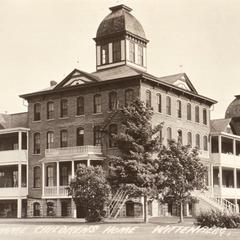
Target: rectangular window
64	176
112	101
50	110
131	52
64	108
128	97
97	136
140	55
117	51
64	138
80	106
205	116
148	99
50	177
104	54
97	104
50	140
168	105
37	112
179	109
36	143
159	103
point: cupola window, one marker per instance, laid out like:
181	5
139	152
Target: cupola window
116	51
131	52
140	55
104	54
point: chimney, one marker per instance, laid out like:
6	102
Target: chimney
53	83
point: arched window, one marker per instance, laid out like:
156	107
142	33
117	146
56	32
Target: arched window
116	51
80	106
36	209
179	108
97	108
50	140
50	209
97	136
64	108
168	105
112	101
180	140
37	177
148	98
205	143
50	110
36	143
197	114
80	136
50	176
169	134
189	112
205	116
189	138
159	102
128	97
63	138
112	131
37	112
198	141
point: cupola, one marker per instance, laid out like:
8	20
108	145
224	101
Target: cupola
120	40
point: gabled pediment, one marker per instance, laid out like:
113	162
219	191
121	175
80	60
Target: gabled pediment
77	77
180	80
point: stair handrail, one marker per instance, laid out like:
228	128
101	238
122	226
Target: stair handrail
116	203
113	201
124	199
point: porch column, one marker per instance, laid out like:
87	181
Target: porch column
19	175
43	179
234	147
235	177
236	204
220	144
20	140
58	178
19	208
74	210
73	170
220	177
211	169
88	162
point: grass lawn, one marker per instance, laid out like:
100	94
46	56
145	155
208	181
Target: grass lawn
158	228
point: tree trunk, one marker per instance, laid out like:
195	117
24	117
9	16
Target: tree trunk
181	212
145	209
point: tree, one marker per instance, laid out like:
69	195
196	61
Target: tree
137	141
91	190
179	172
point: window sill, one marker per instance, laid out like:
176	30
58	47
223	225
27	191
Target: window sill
83	115
36	154
36	121
97	113
63	118
51	119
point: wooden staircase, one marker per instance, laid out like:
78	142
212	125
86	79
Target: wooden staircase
117	203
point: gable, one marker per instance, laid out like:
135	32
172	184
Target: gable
77	77
180	80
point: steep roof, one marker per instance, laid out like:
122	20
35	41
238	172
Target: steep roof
13	120
220	125
120	20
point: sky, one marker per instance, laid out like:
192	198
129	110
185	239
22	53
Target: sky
45	40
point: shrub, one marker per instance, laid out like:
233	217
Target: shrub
218	219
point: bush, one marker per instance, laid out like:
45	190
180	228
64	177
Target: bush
218	219
90	190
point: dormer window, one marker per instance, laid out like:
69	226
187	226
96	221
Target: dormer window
116	51
104	54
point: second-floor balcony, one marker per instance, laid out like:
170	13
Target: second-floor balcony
73	151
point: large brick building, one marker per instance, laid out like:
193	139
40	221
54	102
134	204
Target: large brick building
64	120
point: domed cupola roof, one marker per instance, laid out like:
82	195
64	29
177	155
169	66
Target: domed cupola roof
233	109
120	21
